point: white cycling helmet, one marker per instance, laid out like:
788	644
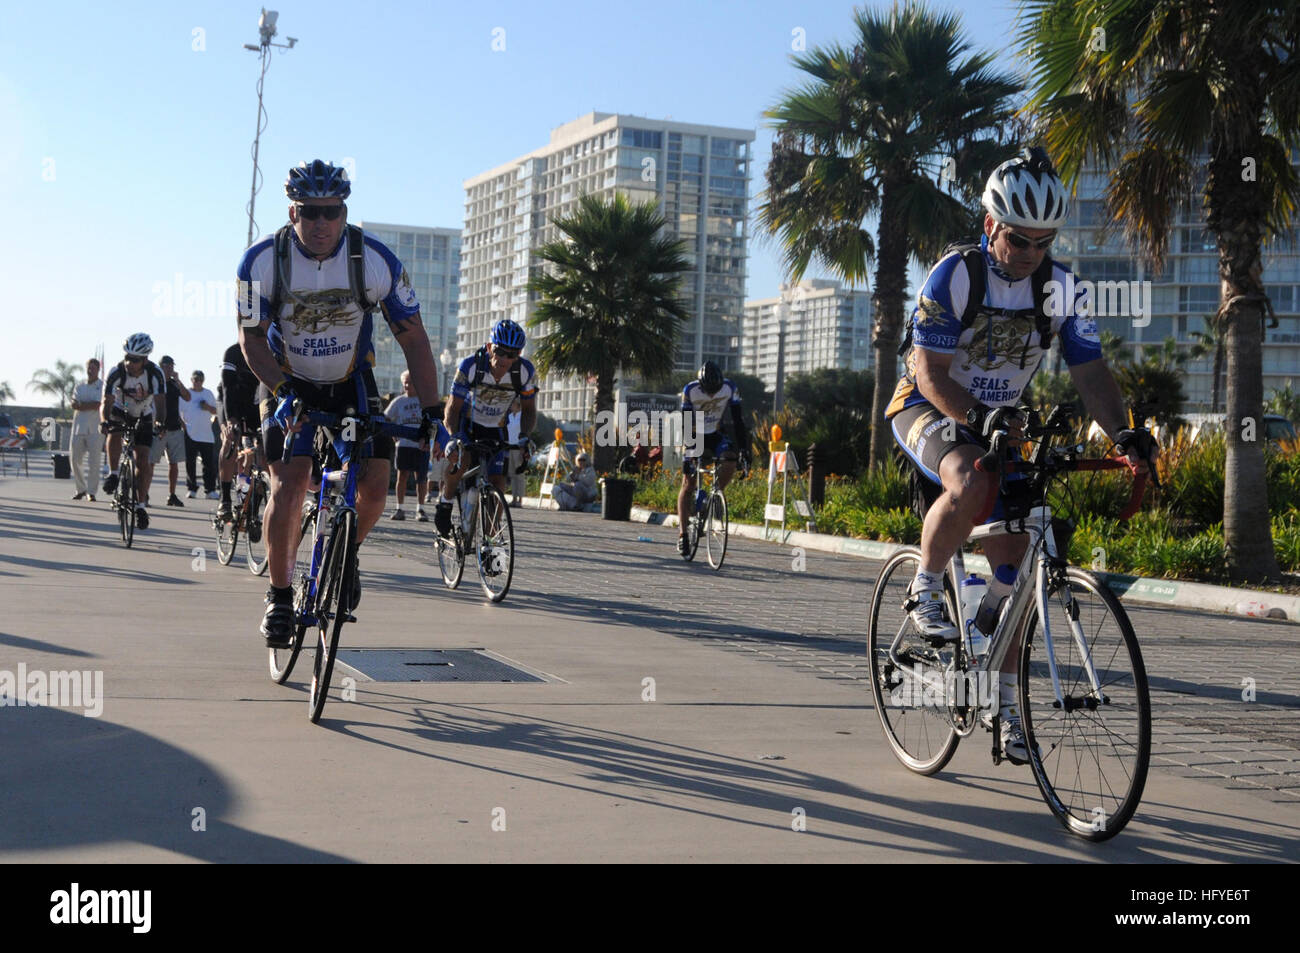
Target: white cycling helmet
138	344
1025	191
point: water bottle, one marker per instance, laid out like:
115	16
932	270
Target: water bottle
973	590
1004	579
700	498
241	484
471	497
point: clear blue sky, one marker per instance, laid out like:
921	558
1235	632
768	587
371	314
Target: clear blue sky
126	137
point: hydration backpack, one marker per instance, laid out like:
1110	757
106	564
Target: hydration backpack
284	267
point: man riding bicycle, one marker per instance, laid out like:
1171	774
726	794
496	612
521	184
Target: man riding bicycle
971	360
134	396
240	421
491	379
311	341
706	398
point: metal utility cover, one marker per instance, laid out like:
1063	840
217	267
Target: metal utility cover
433	665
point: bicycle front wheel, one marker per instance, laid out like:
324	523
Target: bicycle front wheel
333	607
496	544
126	514
228	533
908	673
1090	751
451	549
282	661
254	542
715	529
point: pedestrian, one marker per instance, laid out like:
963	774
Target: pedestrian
172	439
580	488
86	438
197	412
411	457
515	464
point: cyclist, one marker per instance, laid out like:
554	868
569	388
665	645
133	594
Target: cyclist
134	396
491	379
706	398
963	380
312	341
240	421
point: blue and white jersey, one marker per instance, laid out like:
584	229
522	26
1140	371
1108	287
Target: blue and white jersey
487	399
710	406
321	334
996	357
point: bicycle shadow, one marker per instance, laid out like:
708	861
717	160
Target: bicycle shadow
78	781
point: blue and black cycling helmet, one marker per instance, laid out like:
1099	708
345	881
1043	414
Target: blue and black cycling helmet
505	333
317	180
710	378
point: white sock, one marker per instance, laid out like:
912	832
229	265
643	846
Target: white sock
1008	694
927	581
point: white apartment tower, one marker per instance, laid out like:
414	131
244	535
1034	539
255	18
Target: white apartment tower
700	177
825	326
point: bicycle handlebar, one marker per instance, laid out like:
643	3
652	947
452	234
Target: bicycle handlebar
369	425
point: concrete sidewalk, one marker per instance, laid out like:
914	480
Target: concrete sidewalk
199	756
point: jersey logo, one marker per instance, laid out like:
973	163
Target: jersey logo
405	293
1009	332
315	311
928	311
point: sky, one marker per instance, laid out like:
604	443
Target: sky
127	133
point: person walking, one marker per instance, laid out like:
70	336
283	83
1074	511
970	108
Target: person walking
86	438
200	441
172	439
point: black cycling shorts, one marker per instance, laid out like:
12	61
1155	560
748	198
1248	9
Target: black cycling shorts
716	445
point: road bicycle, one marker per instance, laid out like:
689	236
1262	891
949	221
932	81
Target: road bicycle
710	520
324	591
125	499
480	524
1083	700
250	493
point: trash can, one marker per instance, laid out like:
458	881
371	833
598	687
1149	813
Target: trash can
616	498
62	468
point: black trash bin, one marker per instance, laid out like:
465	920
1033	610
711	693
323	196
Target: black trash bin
616	498
62	468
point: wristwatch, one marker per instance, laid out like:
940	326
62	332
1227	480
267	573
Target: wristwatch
975	416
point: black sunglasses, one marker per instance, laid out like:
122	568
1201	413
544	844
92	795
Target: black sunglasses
505	352
310	213
1020	241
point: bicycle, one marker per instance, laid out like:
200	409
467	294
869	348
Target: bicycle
250	494
480	524
323	592
710	518
124	496
1083	701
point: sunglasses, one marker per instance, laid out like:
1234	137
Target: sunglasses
134	359
309	213
505	352
1020	241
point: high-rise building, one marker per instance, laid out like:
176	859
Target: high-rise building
1183	293
700	177
431	257
824	325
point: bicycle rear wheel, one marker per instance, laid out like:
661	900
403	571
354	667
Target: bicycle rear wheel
451	549
228	532
333	608
496	544
909	688
715	529
692	535
126	514
1089	757
254	542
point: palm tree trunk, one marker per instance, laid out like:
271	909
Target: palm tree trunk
1236	216
888	303
604	456
1218	373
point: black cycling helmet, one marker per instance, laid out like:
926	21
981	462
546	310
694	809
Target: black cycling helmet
317	180
710	378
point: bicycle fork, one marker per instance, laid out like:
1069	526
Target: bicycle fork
1071	608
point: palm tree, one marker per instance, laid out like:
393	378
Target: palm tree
6	392
896	127
1213	340
1148	88
609	299
60	382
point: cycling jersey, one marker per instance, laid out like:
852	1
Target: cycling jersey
487	399
133	394
996	357
709	406
322	334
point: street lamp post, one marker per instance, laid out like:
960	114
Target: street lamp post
266	31
447	360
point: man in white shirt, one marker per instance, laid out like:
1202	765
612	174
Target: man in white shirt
197	412
410	456
86	438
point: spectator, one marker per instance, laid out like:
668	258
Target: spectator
580	488
515	462
172	438
410	457
197	412
86	439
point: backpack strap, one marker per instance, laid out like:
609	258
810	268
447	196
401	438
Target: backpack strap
281	272
1042	320
357	268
